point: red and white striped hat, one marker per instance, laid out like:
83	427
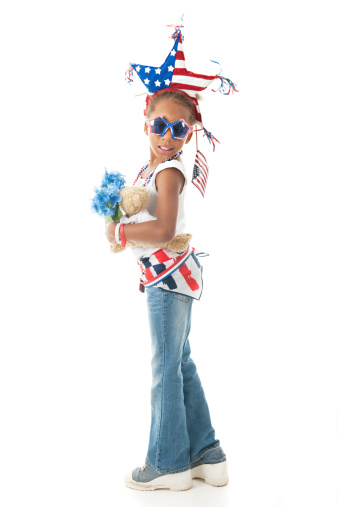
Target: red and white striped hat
173	74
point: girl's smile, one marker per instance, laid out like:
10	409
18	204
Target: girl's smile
166	150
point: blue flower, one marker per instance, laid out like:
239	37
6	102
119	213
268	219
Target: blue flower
106	198
113	178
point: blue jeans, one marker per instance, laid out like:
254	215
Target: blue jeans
180	420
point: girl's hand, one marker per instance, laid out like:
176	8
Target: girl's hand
110	232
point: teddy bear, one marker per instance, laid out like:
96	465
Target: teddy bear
134	203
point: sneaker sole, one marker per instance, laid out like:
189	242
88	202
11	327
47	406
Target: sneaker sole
175	482
215	475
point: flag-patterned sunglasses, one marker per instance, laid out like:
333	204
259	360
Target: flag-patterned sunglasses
179	130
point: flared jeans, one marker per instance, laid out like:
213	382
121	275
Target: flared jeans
180	420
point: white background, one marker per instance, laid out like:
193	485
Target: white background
75	349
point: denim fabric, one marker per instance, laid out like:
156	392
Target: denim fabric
209	456
180	421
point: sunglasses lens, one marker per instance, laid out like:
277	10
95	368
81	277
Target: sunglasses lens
180	130
157	126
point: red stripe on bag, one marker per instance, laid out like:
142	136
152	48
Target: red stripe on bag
148	275
186	273
161	256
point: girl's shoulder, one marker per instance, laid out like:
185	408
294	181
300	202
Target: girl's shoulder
176	163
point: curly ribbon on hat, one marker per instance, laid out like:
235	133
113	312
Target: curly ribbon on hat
224	81
177	28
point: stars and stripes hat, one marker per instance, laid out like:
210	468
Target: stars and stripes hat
173	75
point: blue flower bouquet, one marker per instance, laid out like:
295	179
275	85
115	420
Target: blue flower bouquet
106	199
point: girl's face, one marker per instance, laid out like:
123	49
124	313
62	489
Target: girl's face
165	147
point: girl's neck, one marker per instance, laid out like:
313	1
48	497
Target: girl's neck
155	161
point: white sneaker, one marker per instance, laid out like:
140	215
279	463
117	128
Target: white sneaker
211	466
215	474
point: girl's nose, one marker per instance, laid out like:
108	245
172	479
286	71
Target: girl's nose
167	134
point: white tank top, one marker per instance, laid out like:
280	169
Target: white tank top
152	204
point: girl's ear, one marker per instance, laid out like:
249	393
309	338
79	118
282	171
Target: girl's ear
189	137
146	128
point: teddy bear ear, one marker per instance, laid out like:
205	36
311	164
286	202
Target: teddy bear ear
144	196
137	200
140	199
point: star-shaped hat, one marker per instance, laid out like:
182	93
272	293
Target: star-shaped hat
173	74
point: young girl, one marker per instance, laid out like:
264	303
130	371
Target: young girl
182	442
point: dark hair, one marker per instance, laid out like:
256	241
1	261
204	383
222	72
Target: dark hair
174	96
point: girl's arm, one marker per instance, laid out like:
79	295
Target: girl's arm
169	184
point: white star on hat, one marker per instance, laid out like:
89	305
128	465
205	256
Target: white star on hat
171	68
167	82
147	69
138	68
173	52
157	83
146	81
158	71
